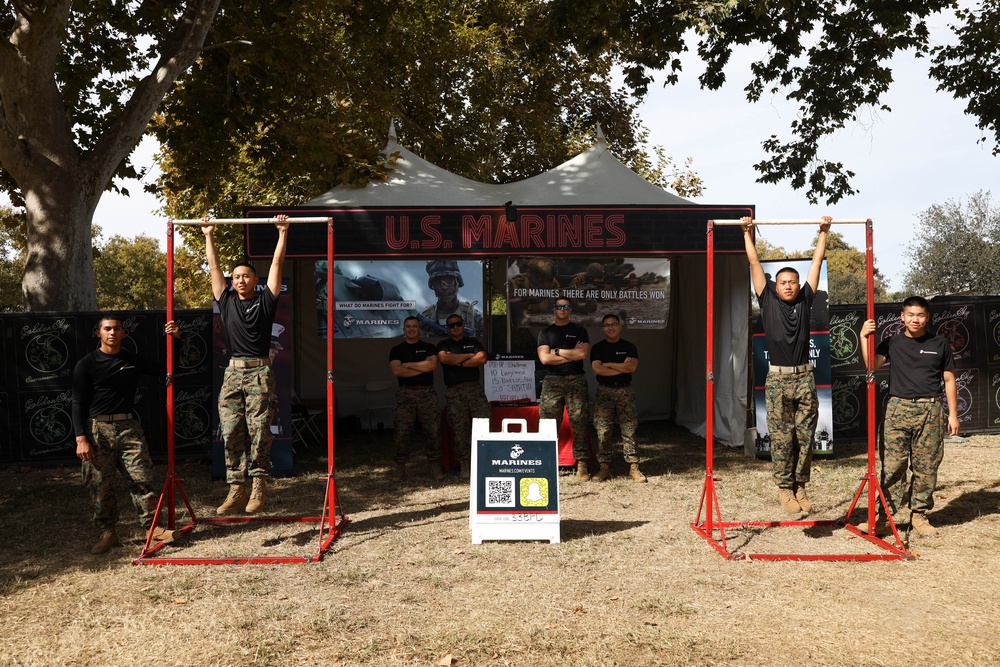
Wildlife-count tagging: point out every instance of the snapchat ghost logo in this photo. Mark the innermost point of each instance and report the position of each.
(534, 492)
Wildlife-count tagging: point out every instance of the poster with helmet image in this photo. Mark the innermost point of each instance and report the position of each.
(372, 298)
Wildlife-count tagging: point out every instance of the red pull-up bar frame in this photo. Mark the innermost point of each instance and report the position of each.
(709, 505)
(331, 521)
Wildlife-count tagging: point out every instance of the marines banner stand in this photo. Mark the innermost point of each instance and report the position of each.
(514, 482)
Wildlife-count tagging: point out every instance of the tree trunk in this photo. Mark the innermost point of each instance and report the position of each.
(62, 182)
(59, 272)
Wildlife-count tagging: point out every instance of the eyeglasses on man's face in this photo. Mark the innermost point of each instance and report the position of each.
(611, 325)
(563, 306)
(455, 325)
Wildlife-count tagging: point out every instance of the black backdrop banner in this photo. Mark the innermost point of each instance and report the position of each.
(452, 231)
(972, 327)
(40, 352)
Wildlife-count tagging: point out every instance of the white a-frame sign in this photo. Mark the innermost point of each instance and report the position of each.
(514, 492)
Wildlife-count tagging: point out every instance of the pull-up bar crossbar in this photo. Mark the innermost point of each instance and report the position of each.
(848, 221)
(244, 221)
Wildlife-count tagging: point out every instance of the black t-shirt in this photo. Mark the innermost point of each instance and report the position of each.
(458, 374)
(918, 364)
(564, 337)
(409, 352)
(105, 384)
(248, 322)
(614, 353)
(786, 325)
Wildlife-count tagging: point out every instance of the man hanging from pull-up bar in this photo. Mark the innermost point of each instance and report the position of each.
(247, 400)
(790, 388)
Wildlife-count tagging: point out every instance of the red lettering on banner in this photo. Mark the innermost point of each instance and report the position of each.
(592, 231)
(570, 232)
(531, 230)
(550, 231)
(397, 239)
(613, 225)
(428, 225)
(476, 229)
(506, 234)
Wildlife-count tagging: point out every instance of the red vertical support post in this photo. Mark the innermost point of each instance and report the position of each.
(870, 315)
(710, 499)
(171, 513)
(330, 399)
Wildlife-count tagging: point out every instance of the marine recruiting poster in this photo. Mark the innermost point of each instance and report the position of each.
(637, 290)
(373, 298)
(819, 357)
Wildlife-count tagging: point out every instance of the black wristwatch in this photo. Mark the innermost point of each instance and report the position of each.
(556, 352)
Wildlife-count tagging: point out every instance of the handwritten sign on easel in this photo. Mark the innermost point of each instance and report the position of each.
(509, 380)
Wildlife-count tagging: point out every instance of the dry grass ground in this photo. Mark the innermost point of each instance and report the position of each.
(630, 583)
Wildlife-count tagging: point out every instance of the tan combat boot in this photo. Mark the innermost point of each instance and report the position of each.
(604, 474)
(164, 535)
(437, 472)
(235, 501)
(398, 472)
(635, 473)
(581, 471)
(258, 494)
(109, 538)
(464, 469)
(803, 499)
(882, 528)
(788, 501)
(919, 523)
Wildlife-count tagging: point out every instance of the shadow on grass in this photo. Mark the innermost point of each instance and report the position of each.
(967, 508)
(576, 529)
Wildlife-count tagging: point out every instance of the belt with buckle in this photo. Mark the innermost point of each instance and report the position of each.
(249, 362)
(786, 370)
(117, 417)
(613, 386)
(933, 399)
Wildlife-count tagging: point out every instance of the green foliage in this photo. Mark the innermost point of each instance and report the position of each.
(963, 68)
(130, 274)
(956, 249)
(12, 245)
(301, 96)
(830, 58)
(845, 265)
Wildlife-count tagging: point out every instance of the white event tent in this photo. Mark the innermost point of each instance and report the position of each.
(670, 382)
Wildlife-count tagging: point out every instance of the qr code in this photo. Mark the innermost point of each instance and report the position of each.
(499, 491)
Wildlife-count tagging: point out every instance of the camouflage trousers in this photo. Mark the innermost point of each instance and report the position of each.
(465, 402)
(247, 406)
(119, 446)
(571, 392)
(912, 436)
(792, 413)
(417, 404)
(615, 405)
